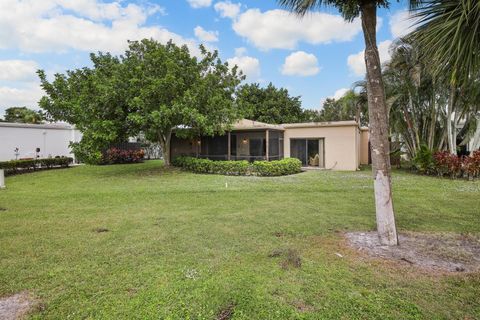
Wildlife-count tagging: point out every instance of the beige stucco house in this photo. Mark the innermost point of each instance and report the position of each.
(338, 145)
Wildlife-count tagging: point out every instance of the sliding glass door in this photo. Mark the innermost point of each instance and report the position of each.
(309, 151)
(298, 149)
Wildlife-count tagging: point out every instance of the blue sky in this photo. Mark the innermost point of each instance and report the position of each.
(316, 57)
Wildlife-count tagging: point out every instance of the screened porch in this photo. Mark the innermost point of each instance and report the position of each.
(250, 145)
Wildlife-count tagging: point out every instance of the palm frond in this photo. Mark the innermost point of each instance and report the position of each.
(449, 34)
(301, 7)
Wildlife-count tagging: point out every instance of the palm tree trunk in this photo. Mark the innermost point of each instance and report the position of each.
(377, 110)
(476, 136)
(433, 121)
(450, 130)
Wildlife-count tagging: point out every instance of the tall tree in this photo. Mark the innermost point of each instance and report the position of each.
(449, 35)
(153, 89)
(352, 106)
(23, 115)
(174, 89)
(377, 108)
(96, 100)
(269, 104)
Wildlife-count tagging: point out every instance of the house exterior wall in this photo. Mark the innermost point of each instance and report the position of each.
(341, 144)
(364, 139)
(53, 140)
(345, 145)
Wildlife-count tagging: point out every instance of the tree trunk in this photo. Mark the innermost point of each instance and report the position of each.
(433, 122)
(414, 126)
(380, 146)
(164, 142)
(450, 131)
(476, 136)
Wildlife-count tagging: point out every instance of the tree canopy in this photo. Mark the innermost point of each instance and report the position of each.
(153, 88)
(270, 104)
(23, 115)
(351, 106)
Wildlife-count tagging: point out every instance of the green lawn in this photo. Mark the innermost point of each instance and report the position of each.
(186, 246)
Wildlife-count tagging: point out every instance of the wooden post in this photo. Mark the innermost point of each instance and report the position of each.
(229, 145)
(267, 137)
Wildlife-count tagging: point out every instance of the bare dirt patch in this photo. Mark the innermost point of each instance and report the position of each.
(226, 312)
(16, 306)
(100, 230)
(441, 252)
(292, 259)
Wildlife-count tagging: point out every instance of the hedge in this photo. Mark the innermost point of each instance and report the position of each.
(239, 168)
(277, 167)
(16, 166)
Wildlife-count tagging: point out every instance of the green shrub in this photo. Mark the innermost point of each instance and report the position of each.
(16, 166)
(277, 167)
(424, 161)
(239, 168)
(87, 152)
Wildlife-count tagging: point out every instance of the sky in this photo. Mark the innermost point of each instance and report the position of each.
(316, 57)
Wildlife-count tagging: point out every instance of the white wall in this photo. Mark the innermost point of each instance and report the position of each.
(52, 139)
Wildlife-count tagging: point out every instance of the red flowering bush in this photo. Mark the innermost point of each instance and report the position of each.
(471, 165)
(115, 155)
(455, 166)
(441, 162)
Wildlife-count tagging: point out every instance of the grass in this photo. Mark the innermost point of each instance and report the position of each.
(143, 242)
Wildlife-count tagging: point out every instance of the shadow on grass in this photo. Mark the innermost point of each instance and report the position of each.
(145, 169)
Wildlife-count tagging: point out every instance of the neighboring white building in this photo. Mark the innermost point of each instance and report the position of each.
(52, 139)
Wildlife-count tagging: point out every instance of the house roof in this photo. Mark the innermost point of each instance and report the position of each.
(245, 124)
(321, 124)
(54, 125)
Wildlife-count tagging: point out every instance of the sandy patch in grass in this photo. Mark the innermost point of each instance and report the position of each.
(441, 252)
(16, 306)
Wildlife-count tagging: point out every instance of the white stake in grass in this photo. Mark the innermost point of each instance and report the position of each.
(2, 179)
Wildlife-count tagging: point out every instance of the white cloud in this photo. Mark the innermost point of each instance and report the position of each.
(27, 95)
(283, 30)
(17, 70)
(86, 25)
(401, 24)
(356, 62)
(227, 9)
(199, 3)
(204, 35)
(339, 93)
(94, 10)
(240, 51)
(300, 63)
(250, 66)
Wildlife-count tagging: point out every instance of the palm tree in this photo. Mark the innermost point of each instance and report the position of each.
(449, 35)
(377, 108)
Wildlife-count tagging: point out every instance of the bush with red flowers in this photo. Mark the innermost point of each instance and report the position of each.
(471, 165)
(116, 155)
(447, 164)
